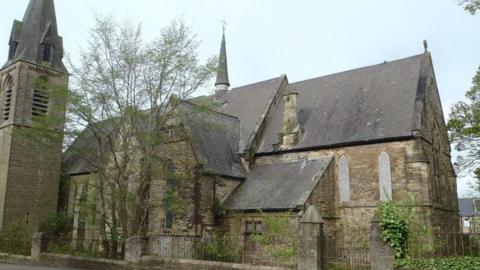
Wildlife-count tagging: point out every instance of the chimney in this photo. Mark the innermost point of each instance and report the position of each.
(291, 127)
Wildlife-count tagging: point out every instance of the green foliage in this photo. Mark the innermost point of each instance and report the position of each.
(58, 226)
(394, 228)
(457, 263)
(58, 230)
(464, 127)
(218, 210)
(15, 239)
(471, 6)
(277, 238)
(223, 249)
(418, 232)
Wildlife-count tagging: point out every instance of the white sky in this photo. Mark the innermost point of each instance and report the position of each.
(300, 38)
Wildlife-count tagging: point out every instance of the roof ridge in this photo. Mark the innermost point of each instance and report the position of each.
(206, 108)
(325, 157)
(359, 68)
(250, 84)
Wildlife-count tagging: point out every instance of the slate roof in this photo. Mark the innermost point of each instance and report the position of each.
(467, 207)
(214, 137)
(278, 186)
(39, 26)
(249, 104)
(89, 148)
(361, 105)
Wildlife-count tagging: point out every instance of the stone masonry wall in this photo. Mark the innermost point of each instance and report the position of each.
(411, 178)
(30, 169)
(150, 263)
(179, 150)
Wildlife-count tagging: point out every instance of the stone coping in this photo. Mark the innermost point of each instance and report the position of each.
(61, 260)
(234, 266)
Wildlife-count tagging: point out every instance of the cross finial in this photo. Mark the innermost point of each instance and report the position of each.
(224, 24)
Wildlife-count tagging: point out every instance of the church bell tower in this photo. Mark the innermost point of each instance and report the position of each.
(33, 90)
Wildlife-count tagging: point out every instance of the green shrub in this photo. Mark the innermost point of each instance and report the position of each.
(58, 226)
(457, 263)
(58, 230)
(394, 229)
(222, 249)
(15, 239)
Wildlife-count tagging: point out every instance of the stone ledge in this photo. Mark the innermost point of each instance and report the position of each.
(158, 262)
(146, 262)
(15, 259)
(60, 260)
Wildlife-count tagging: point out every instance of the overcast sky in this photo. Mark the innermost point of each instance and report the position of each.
(300, 38)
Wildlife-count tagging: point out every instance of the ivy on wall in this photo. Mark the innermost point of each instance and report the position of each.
(394, 228)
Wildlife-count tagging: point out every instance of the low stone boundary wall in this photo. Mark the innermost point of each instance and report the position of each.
(57, 260)
(154, 263)
(146, 263)
(14, 259)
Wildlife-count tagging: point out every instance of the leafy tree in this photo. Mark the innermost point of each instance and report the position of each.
(125, 93)
(471, 6)
(464, 127)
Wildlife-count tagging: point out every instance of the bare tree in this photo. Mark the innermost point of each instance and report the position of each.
(125, 91)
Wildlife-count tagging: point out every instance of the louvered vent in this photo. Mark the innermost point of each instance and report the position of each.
(40, 102)
(7, 100)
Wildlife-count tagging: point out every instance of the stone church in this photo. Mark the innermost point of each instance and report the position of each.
(343, 142)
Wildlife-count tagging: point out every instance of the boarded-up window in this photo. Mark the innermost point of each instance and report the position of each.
(385, 177)
(169, 195)
(253, 227)
(344, 179)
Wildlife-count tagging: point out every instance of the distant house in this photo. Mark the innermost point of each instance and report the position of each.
(470, 214)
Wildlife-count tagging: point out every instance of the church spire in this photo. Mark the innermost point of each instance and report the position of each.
(222, 82)
(36, 39)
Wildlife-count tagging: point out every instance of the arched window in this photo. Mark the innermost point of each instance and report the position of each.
(344, 179)
(40, 98)
(169, 193)
(7, 98)
(385, 177)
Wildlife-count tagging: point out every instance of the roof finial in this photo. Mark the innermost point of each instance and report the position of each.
(425, 45)
(224, 25)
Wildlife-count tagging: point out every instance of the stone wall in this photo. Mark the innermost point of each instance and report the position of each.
(170, 264)
(150, 263)
(189, 187)
(30, 165)
(411, 176)
(262, 245)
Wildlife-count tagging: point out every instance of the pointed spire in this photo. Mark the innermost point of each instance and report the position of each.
(222, 72)
(39, 41)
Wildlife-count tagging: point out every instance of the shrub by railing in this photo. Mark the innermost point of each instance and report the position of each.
(15, 239)
(252, 249)
(449, 243)
(87, 247)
